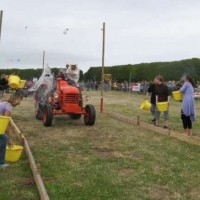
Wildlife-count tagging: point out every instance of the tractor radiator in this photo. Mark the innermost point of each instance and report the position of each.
(71, 98)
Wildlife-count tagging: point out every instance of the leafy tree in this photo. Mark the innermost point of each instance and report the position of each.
(147, 71)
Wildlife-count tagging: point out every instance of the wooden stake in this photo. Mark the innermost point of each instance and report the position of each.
(36, 174)
(36, 169)
(138, 120)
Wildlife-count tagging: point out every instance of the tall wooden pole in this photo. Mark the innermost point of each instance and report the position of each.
(43, 59)
(1, 19)
(102, 72)
(129, 82)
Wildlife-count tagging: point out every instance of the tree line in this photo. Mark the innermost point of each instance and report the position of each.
(147, 71)
(28, 74)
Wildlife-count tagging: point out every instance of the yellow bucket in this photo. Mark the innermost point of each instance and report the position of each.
(21, 84)
(146, 105)
(162, 106)
(4, 121)
(13, 153)
(14, 81)
(178, 96)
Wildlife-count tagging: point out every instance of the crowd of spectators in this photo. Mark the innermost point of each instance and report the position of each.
(90, 85)
(125, 86)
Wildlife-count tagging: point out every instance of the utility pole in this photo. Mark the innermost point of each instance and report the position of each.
(102, 71)
(129, 82)
(43, 59)
(1, 19)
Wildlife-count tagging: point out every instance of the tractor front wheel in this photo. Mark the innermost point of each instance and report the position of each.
(47, 115)
(90, 115)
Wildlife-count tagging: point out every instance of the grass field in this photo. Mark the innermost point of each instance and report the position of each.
(129, 105)
(110, 160)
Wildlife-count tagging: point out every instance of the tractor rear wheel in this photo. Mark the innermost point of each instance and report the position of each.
(90, 115)
(75, 116)
(38, 113)
(47, 115)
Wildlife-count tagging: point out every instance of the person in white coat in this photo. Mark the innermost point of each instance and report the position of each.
(73, 72)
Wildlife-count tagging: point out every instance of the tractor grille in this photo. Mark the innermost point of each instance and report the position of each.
(72, 98)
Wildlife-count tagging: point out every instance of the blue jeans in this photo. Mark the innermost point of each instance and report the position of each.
(166, 114)
(3, 142)
(153, 110)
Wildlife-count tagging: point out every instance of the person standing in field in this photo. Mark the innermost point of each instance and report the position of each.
(188, 108)
(6, 108)
(162, 95)
(152, 91)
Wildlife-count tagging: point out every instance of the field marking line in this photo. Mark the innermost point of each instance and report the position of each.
(17, 131)
(36, 173)
(166, 132)
(35, 170)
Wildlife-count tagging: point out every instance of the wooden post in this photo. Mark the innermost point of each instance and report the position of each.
(102, 71)
(1, 19)
(129, 81)
(138, 120)
(36, 174)
(43, 59)
(17, 131)
(36, 169)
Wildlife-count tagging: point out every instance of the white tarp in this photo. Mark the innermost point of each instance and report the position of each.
(45, 79)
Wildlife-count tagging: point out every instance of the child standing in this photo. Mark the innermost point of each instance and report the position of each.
(6, 110)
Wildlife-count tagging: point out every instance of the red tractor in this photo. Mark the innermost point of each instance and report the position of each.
(66, 99)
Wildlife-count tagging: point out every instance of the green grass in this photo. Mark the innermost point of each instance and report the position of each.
(111, 160)
(129, 105)
(17, 182)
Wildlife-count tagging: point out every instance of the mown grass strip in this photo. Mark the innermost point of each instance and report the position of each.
(179, 136)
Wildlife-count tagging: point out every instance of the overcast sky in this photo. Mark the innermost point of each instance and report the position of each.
(136, 31)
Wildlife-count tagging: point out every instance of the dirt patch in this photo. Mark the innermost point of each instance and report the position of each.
(107, 153)
(30, 182)
(108, 150)
(117, 154)
(126, 172)
(27, 182)
(195, 194)
(91, 134)
(160, 192)
(77, 184)
(104, 153)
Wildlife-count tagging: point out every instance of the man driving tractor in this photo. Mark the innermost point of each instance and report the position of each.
(73, 72)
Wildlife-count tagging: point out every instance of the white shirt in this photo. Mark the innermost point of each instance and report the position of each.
(73, 74)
